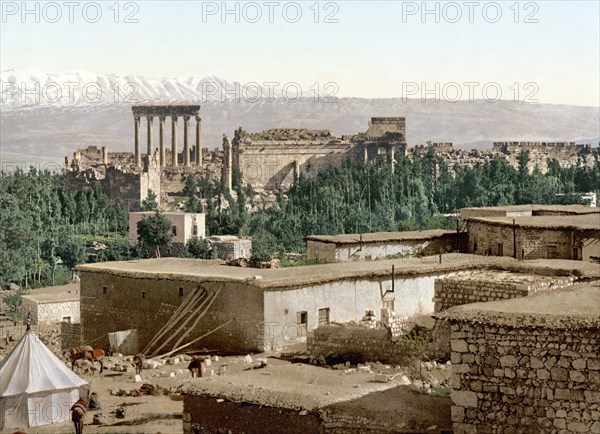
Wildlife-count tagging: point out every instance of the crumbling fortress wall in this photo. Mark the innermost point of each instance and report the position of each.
(276, 157)
(540, 153)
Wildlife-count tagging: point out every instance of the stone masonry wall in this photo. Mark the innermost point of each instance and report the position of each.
(372, 344)
(530, 380)
(452, 291)
(71, 335)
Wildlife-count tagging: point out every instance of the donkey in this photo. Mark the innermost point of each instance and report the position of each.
(87, 353)
(78, 414)
(197, 367)
(138, 361)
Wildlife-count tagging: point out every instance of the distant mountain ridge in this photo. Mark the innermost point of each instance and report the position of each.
(53, 126)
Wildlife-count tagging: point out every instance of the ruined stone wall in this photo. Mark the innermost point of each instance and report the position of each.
(228, 250)
(372, 344)
(540, 153)
(111, 303)
(380, 126)
(511, 379)
(452, 291)
(271, 164)
(532, 243)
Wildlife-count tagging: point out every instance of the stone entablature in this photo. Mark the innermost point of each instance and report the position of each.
(174, 111)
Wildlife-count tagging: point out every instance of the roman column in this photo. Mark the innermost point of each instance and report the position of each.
(174, 140)
(226, 177)
(137, 150)
(198, 141)
(161, 141)
(186, 141)
(150, 121)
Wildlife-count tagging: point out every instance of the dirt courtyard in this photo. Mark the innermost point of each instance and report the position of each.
(355, 390)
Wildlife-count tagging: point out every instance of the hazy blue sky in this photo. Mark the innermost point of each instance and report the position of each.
(371, 51)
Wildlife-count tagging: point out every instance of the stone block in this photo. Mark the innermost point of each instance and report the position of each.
(593, 364)
(559, 374)
(382, 378)
(578, 426)
(137, 378)
(579, 364)
(508, 361)
(543, 374)
(459, 345)
(462, 368)
(577, 376)
(466, 399)
(458, 413)
(559, 423)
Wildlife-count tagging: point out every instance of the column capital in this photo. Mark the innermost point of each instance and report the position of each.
(186, 118)
(198, 118)
(136, 118)
(161, 118)
(150, 117)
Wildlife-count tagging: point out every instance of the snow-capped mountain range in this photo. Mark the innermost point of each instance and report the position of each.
(45, 116)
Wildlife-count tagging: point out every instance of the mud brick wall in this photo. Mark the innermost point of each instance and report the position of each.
(372, 344)
(112, 302)
(532, 243)
(536, 379)
(71, 335)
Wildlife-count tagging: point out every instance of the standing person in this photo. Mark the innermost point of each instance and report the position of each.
(28, 321)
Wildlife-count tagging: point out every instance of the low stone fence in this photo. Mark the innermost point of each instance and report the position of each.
(372, 344)
(491, 286)
(525, 379)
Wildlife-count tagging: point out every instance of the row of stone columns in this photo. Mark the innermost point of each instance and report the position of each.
(187, 158)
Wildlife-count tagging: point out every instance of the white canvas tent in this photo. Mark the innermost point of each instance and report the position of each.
(36, 387)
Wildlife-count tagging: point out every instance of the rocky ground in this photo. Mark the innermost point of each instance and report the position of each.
(153, 403)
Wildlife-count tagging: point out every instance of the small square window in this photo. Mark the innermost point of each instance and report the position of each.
(181, 292)
(195, 229)
(174, 229)
(388, 303)
(324, 316)
(104, 290)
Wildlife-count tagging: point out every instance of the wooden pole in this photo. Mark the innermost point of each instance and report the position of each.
(184, 308)
(199, 316)
(195, 340)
